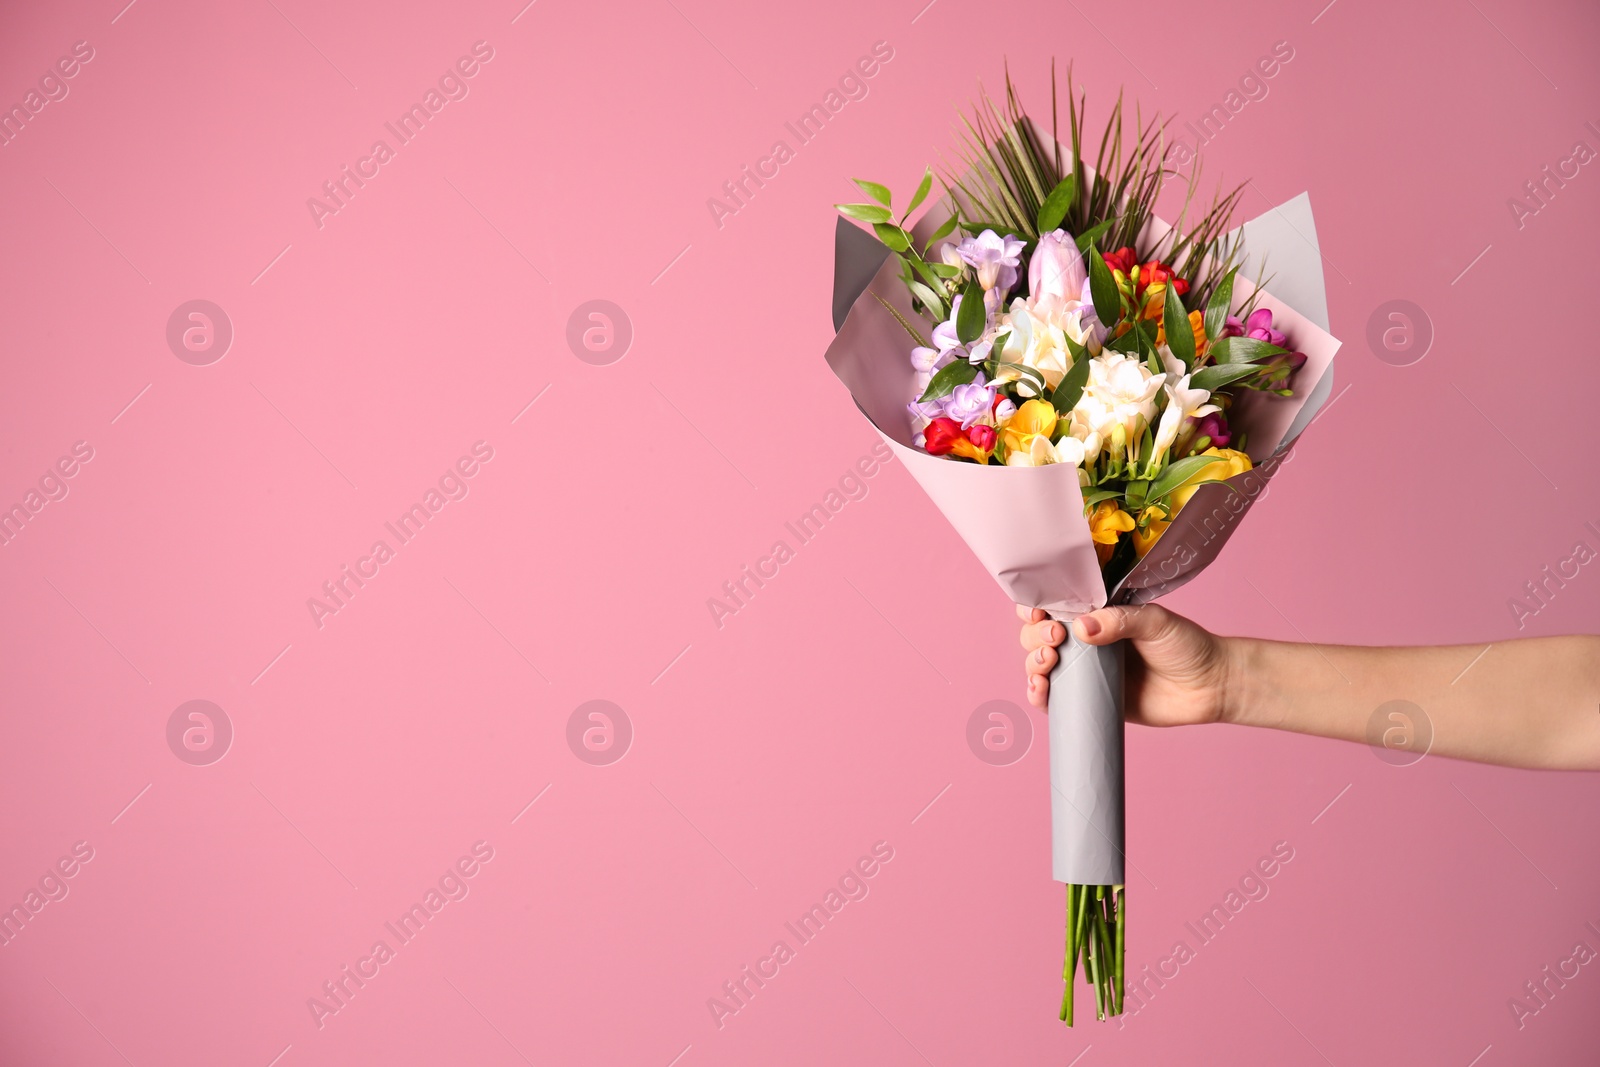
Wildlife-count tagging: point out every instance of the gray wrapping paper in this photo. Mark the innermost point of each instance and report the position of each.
(1086, 797)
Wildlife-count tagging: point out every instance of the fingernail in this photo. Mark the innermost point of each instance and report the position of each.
(1038, 655)
(1089, 625)
(1053, 634)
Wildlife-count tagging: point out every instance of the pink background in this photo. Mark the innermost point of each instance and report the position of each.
(768, 754)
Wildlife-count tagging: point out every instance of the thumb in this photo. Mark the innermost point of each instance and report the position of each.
(1145, 622)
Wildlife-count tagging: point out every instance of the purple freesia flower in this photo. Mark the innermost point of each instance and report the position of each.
(968, 403)
(995, 258)
(1259, 326)
(1214, 426)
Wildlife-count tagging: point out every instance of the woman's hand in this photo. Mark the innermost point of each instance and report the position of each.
(1177, 671)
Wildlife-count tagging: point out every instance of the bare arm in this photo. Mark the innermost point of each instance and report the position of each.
(1533, 702)
(1527, 703)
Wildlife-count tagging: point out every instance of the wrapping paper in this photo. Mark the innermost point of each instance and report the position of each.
(1026, 524)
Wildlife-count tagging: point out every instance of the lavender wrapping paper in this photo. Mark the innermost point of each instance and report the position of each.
(1026, 525)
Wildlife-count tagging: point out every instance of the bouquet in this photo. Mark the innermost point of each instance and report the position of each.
(1092, 397)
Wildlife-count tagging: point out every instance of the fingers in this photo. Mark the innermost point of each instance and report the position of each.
(1042, 632)
(1030, 614)
(1038, 665)
(1144, 623)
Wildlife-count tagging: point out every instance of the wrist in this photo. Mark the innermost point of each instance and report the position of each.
(1241, 674)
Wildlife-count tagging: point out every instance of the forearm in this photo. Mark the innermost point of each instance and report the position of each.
(1526, 703)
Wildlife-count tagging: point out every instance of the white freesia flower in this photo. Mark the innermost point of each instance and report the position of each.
(1039, 331)
(1120, 392)
(1182, 403)
(1040, 452)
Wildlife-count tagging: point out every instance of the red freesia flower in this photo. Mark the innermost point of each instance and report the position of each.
(1122, 259)
(982, 436)
(942, 435)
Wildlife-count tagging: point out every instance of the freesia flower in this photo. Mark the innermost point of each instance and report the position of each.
(1033, 418)
(1120, 392)
(941, 435)
(982, 436)
(1106, 523)
(1039, 331)
(995, 258)
(1040, 451)
(1214, 428)
(945, 437)
(1153, 523)
(1259, 326)
(1182, 403)
(967, 403)
(1056, 269)
(1232, 463)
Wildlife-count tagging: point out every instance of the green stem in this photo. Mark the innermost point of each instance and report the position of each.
(1122, 928)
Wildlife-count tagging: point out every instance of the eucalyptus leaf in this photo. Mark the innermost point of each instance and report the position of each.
(878, 192)
(1217, 309)
(1180, 336)
(1103, 289)
(865, 212)
(944, 383)
(1057, 204)
(1244, 350)
(1213, 378)
(1177, 473)
(972, 317)
(922, 191)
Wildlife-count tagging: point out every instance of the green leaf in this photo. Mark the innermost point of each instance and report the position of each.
(1057, 204)
(892, 235)
(1070, 389)
(972, 317)
(1092, 234)
(1213, 378)
(1219, 305)
(1137, 493)
(1000, 342)
(945, 270)
(1091, 499)
(944, 383)
(929, 298)
(922, 191)
(873, 189)
(865, 212)
(945, 229)
(925, 269)
(1177, 473)
(1244, 350)
(1180, 337)
(1103, 288)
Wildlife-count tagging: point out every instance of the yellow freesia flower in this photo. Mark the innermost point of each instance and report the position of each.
(1033, 418)
(1156, 522)
(1106, 523)
(1233, 462)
